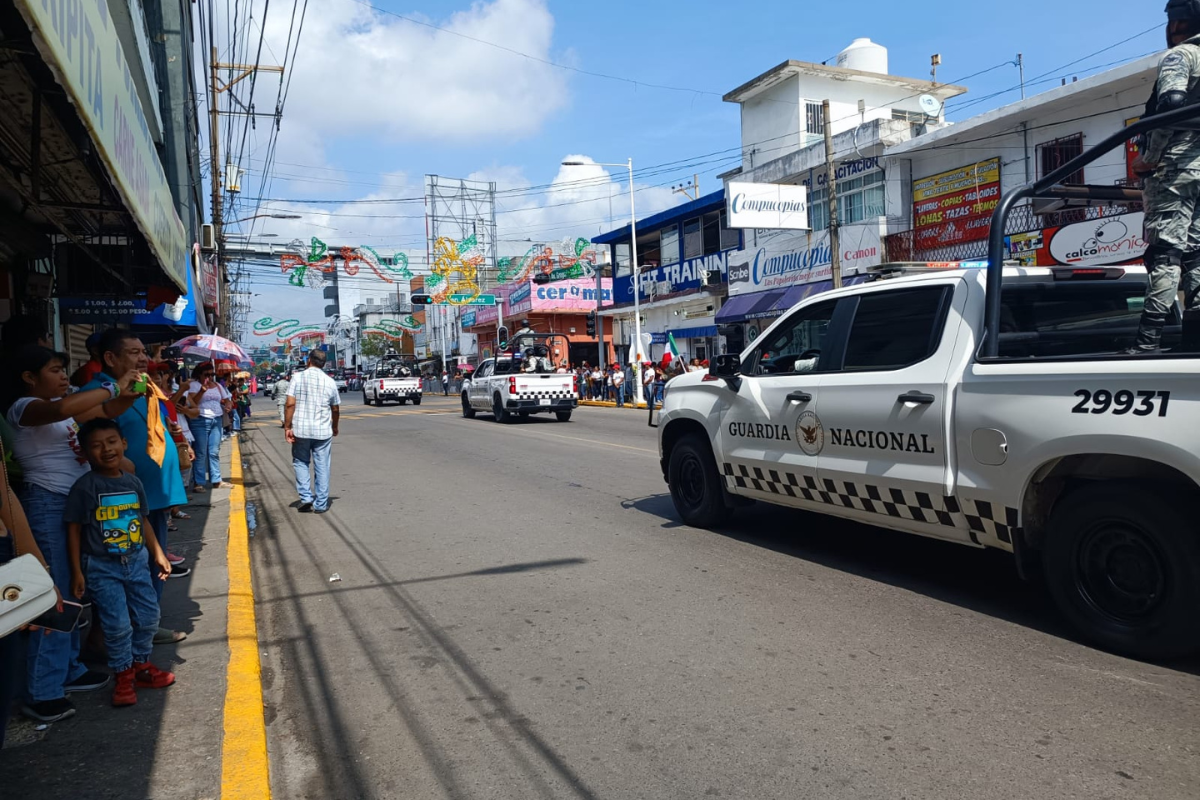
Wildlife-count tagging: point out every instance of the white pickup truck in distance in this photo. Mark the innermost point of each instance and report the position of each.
(876, 403)
(389, 382)
(504, 388)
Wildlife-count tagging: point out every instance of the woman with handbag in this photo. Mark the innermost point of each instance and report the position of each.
(15, 539)
(45, 421)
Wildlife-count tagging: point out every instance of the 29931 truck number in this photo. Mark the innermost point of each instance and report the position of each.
(1123, 401)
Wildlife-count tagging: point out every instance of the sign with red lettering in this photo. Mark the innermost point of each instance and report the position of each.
(955, 206)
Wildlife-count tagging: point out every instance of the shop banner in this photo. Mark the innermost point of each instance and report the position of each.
(1092, 243)
(767, 205)
(955, 206)
(672, 278)
(78, 41)
(127, 311)
(783, 260)
(468, 319)
(561, 296)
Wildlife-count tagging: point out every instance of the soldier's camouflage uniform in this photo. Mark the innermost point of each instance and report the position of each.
(1171, 196)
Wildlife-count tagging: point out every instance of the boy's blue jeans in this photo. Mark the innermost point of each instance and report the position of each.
(126, 604)
(53, 658)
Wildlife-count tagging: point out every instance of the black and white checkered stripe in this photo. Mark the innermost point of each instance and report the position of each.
(892, 502)
(1000, 522)
(556, 394)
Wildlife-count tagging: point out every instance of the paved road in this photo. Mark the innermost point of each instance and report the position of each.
(520, 615)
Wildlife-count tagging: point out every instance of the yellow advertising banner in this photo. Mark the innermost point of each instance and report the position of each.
(956, 180)
(78, 41)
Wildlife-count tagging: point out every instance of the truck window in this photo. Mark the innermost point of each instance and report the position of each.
(795, 346)
(1074, 318)
(896, 329)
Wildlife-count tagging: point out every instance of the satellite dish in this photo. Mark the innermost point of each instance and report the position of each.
(930, 105)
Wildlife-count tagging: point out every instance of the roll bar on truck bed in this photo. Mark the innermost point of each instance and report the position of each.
(1050, 188)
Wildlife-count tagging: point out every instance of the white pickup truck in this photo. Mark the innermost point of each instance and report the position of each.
(391, 382)
(506, 389)
(876, 403)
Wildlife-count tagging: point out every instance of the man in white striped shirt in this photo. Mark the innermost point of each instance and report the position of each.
(310, 421)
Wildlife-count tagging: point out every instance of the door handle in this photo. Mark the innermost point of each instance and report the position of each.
(799, 397)
(916, 397)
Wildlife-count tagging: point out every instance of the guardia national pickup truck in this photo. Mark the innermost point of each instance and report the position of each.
(871, 403)
(996, 406)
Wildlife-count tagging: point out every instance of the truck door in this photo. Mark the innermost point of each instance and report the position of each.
(884, 410)
(767, 441)
(477, 393)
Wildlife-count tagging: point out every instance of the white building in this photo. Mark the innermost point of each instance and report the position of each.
(958, 173)
(783, 141)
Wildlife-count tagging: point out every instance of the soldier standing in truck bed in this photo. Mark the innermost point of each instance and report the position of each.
(1171, 165)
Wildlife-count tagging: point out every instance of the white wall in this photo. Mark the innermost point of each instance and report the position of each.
(1062, 120)
(771, 123)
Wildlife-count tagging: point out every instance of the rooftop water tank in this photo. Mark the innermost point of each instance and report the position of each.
(865, 56)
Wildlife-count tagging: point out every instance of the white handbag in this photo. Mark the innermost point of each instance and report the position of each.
(26, 592)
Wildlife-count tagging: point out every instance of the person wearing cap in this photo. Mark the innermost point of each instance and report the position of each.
(94, 366)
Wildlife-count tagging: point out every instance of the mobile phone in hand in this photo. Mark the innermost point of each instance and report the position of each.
(64, 621)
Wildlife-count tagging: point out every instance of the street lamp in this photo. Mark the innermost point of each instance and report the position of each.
(258, 216)
(637, 276)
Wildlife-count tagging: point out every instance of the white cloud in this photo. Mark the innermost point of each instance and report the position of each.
(364, 72)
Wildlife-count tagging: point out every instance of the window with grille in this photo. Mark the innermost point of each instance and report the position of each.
(859, 198)
(814, 118)
(1055, 153)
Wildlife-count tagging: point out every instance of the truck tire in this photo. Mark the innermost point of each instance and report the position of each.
(468, 412)
(416, 401)
(366, 402)
(563, 416)
(1122, 563)
(696, 486)
(499, 412)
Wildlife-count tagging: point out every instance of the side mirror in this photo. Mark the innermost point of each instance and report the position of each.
(727, 367)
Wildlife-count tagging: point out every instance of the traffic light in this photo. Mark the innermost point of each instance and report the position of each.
(422, 300)
(502, 338)
(591, 323)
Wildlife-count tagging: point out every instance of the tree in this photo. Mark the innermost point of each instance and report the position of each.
(373, 345)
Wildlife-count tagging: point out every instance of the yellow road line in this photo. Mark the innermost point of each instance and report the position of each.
(244, 765)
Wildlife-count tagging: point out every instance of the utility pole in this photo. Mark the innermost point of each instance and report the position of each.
(217, 176)
(685, 189)
(835, 253)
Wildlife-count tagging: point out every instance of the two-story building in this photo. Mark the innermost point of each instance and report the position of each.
(683, 253)
(783, 141)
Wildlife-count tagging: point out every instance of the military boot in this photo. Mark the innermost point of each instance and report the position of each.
(1149, 336)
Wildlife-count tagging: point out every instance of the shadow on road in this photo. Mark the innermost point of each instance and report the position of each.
(984, 581)
(314, 670)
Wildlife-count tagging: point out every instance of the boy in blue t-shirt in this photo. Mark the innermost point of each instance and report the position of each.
(109, 542)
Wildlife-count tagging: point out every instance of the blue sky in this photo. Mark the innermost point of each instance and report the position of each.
(377, 102)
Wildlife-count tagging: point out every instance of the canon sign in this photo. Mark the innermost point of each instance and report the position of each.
(767, 206)
(1097, 242)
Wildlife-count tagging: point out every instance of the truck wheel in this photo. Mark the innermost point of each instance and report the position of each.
(563, 416)
(1123, 566)
(499, 412)
(366, 402)
(468, 412)
(696, 487)
(416, 401)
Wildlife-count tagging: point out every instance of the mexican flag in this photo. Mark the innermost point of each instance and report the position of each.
(674, 348)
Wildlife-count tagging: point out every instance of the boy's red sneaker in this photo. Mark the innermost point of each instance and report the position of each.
(149, 676)
(123, 692)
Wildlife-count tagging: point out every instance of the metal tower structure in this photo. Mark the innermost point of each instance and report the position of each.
(463, 211)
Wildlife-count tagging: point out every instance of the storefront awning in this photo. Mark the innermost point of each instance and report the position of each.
(742, 307)
(697, 332)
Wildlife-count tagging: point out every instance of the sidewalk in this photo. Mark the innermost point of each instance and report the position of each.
(169, 745)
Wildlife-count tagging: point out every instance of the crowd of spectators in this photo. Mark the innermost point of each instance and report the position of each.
(98, 466)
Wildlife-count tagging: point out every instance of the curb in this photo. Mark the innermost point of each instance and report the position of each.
(244, 765)
(610, 404)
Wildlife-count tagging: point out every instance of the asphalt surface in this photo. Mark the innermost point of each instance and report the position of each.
(520, 615)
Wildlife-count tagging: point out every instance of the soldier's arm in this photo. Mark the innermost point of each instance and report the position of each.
(1174, 77)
